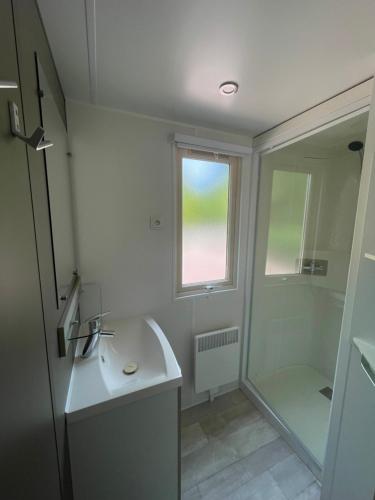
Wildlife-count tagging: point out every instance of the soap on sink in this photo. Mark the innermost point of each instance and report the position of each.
(130, 368)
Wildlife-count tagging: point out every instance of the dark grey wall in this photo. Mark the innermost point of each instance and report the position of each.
(31, 37)
(28, 465)
(31, 40)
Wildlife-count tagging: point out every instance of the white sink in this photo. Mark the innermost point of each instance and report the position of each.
(99, 383)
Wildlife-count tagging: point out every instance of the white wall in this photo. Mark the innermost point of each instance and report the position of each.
(123, 167)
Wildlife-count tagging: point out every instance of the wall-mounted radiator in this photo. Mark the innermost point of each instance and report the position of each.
(217, 358)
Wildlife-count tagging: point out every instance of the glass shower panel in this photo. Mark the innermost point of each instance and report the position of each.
(307, 201)
(289, 202)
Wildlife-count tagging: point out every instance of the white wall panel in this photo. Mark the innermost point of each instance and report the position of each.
(123, 174)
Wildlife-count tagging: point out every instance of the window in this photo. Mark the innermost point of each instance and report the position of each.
(207, 187)
(286, 233)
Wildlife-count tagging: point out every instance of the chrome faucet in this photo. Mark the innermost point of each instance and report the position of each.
(95, 332)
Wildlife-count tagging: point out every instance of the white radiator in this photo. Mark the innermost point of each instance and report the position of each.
(217, 358)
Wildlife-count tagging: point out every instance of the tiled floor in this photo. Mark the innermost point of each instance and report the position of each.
(229, 451)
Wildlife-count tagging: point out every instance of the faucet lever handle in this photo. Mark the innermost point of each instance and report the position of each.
(97, 316)
(107, 333)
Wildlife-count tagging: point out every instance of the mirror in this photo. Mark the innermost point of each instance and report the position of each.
(58, 178)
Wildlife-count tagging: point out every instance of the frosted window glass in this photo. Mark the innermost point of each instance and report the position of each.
(205, 193)
(287, 218)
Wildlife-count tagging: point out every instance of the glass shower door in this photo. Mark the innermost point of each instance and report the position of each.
(305, 222)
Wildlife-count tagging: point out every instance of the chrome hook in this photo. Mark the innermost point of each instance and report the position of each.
(36, 139)
(8, 84)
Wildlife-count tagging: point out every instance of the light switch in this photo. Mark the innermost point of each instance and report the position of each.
(155, 222)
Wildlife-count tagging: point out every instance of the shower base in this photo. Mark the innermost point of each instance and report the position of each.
(294, 394)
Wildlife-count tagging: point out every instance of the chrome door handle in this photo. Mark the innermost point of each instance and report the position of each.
(368, 369)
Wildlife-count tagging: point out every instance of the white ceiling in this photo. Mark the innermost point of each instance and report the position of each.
(340, 135)
(331, 142)
(166, 58)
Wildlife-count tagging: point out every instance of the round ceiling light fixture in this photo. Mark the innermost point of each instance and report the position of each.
(228, 88)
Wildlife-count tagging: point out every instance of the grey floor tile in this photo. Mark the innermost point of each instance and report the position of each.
(195, 413)
(249, 436)
(205, 462)
(292, 476)
(192, 438)
(220, 404)
(262, 487)
(192, 494)
(239, 410)
(235, 475)
(231, 452)
(267, 456)
(213, 424)
(230, 419)
(223, 483)
(228, 400)
(241, 421)
(312, 492)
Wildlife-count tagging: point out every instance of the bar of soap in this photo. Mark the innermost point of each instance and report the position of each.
(130, 368)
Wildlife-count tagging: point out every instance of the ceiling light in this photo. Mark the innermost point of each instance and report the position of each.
(228, 88)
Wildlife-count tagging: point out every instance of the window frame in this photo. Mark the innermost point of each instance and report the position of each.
(230, 281)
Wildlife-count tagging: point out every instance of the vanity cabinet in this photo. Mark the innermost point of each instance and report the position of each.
(130, 452)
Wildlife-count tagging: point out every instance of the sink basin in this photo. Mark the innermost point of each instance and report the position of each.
(99, 383)
(140, 341)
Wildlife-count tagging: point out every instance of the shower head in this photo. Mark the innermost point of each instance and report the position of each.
(355, 145)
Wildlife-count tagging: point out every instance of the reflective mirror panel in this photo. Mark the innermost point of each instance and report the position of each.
(59, 189)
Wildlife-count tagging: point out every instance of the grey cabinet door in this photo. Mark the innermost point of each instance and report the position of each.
(28, 455)
(355, 465)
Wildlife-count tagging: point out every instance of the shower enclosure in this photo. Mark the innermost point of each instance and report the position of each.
(307, 200)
